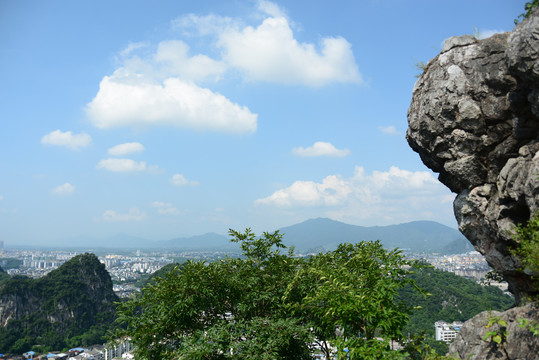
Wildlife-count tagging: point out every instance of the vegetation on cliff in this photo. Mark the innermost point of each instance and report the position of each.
(71, 306)
(527, 249)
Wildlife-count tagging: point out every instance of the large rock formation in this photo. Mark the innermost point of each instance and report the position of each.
(516, 339)
(67, 302)
(474, 119)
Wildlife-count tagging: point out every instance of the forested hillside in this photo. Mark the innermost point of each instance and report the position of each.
(71, 306)
(453, 298)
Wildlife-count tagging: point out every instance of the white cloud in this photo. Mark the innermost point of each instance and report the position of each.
(124, 165)
(67, 139)
(331, 191)
(1, 198)
(134, 214)
(390, 130)
(180, 180)
(160, 85)
(271, 53)
(126, 148)
(390, 196)
(65, 189)
(172, 102)
(165, 208)
(132, 47)
(212, 24)
(320, 148)
(272, 9)
(486, 33)
(173, 59)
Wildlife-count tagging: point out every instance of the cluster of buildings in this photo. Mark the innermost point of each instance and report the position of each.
(121, 350)
(471, 265)
(121, 268)
(37, 263)
(131, 268)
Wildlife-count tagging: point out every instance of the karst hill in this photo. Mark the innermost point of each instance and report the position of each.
(74, 303)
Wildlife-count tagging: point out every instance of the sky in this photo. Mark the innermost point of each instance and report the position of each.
(164, 119)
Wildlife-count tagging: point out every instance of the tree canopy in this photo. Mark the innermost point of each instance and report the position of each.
(270, 304)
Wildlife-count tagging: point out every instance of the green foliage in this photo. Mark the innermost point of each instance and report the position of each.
(9, 263)
(224, 309)
(148, 279)
(452, 298)
(532, 325)
(61, 309)
(353, 288)
(271, 305)
(528, 8)
(492, 276)
(420, 347)
(527, 237)
(498, 334)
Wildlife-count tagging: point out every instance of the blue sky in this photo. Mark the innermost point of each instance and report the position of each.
(172, 118)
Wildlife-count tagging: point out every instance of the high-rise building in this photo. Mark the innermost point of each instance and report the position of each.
(447, 332)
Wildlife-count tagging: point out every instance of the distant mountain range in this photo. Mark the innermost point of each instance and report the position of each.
(315, 235)
(326, 234)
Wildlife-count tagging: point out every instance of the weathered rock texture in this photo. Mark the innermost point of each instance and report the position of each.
(474, 119)
(519, 342)
(66, 302)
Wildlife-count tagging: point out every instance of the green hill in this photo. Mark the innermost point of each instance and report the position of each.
(453, 298)
(71, 306)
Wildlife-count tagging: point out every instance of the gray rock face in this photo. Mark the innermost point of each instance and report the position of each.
(474, 119)
(519, 341)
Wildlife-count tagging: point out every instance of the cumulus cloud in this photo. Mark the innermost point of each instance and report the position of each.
(164, 84)
(126, 148)
(65, 189)
(123, 165)
(486, 33)
(165, 208)
(134, 214)
(382, 196)
(172, 102)
(320, 148)
(67, 139)
(180, 180)
(173, 59)
(270, 53)
(390, 130)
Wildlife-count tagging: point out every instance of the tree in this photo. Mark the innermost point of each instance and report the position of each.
(349, 295)
(231, 308)
(270, 304)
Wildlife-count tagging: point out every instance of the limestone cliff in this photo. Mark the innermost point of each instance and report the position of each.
(65, 303)
(474, 119)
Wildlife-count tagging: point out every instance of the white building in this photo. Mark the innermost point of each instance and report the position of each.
(117, 350)
(447, 332)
